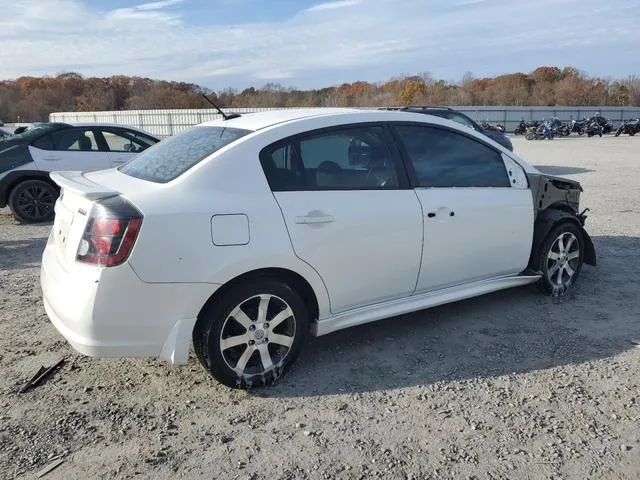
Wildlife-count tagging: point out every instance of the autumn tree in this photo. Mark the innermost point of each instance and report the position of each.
(32, 98)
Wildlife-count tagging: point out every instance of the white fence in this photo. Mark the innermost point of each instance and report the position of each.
(165, 123)
(162, 123)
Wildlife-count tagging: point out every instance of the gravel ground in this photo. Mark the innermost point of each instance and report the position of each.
(509, 385)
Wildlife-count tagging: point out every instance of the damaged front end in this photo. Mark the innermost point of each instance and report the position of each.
(557, 200)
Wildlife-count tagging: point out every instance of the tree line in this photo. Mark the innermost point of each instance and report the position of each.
(28, 99)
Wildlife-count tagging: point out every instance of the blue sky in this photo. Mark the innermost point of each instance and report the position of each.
(307, 44)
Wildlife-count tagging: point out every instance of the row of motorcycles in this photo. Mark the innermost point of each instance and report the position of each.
(596, 125)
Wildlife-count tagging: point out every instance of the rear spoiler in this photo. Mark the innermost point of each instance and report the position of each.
(77, 183)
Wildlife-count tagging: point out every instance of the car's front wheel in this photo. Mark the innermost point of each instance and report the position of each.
(250, 335)
(560, 258)
(32, 201)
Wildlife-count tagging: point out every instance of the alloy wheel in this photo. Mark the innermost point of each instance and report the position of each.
(35, 202)
(563, 260)
(257, 335)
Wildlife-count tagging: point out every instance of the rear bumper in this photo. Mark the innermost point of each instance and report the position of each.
(110, 312)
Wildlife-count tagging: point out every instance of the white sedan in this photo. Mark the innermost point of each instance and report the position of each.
(244, 235)
(27, 158)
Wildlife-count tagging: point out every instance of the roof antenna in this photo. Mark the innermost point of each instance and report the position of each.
(224, 115)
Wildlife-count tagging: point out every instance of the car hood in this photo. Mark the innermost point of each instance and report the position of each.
(500, 138)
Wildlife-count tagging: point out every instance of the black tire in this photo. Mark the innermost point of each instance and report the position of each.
(216, 318)
(32, 201)
(632, 133)
(617, 134)
(543, 263)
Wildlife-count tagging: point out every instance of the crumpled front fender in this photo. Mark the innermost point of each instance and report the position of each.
(548, 219)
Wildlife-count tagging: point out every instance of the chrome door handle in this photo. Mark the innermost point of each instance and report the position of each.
(312, 219)
(51, 159)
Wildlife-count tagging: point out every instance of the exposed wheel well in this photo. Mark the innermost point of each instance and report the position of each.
(548, 219)
(562, 207)
(293, 279)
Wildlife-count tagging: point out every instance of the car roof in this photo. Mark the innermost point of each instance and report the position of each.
(110, 125)
(260, 120)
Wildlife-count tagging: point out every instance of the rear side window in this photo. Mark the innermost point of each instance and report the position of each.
(75, 139)
(347, 158)
(170, 158)
(443, 158)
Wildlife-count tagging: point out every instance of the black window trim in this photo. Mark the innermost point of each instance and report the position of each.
(387, 137)
(408, 165)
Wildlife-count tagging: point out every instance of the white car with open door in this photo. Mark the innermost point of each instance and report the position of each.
(26, 159)
(243, 235)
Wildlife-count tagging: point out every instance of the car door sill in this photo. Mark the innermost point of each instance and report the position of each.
(392, 308)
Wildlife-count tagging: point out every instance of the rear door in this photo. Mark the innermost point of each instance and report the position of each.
(124, 144)
(72, 149)
(350, 214)
(477, 209)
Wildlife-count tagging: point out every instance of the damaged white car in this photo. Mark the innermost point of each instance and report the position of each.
(241, 236)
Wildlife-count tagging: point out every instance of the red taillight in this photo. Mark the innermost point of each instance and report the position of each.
(107, 226)
(110, 233)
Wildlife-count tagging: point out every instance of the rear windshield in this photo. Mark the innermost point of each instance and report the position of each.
(170, 158)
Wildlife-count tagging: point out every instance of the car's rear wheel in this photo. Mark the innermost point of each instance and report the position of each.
(252, 333)
(32, 201)
(560, 259)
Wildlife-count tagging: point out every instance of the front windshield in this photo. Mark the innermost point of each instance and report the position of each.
(170, 158)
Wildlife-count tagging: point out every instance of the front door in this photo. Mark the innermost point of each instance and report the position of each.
(69, 149)
(349, 213)
(478, 215)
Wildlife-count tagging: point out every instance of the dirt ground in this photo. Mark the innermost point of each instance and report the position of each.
(509, 385)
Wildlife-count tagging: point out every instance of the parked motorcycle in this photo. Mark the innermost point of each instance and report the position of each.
(522, 127)
(559, 128)
(493, 127)
(606, 124)
(630, 127)
(594, 128)
(578, 126)
(543, 130)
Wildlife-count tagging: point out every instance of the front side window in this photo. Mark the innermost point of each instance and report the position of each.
(349, 158)
(170, 158)
(444, 158)
(126, 141)
(70, 140)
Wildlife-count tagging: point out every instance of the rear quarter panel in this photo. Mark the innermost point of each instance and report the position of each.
(175, 241)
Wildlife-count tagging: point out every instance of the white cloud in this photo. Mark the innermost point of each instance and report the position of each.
(157, 5)
(333, 5)
(274, 75)
(146, 11)
(321, 46)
